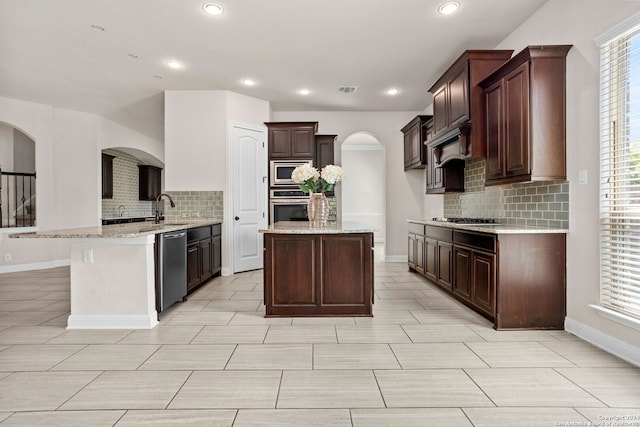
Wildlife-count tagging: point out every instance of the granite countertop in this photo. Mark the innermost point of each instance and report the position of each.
(492, 228)
(134, 229)
(305, 227)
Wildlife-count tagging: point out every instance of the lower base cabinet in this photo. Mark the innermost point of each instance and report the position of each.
(516, 280)
(203, 254)
(318, 274)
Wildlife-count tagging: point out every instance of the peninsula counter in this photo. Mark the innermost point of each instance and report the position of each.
(318, 271)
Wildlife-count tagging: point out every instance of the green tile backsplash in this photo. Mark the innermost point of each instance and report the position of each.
(194, 204)
(540, 203)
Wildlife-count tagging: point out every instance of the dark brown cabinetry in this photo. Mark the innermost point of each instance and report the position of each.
(107, 176)
(458, 105)
(292, 140)
(150, 182)
(525, 117)
(438, 179)
(516, 280)
(430, 253)
(415, 135)
(474, 260)
(203, 254)
(324, 150)
(318, 274)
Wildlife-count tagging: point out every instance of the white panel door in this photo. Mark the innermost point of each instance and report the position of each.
(249, 198)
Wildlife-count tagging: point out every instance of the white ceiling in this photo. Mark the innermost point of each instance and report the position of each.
(50, 54)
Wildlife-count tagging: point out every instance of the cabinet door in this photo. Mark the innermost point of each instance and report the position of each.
(303, 143)
(193, 266)
(420, 254)
(107, 176)
(440, 110)
(216, 254)
(411, 250)
(324, 150)
(516, 121)
(462, 267)
(279, 143)
(483, 293)
(407, 151)
(430, 259)
(459, 97)
(206, 259)
(149, 182)
(445, 265)
(494, 132)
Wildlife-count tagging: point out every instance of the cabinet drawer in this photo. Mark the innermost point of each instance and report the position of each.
(194, 234)
(442, 234)
(416, 228)
(486, 242)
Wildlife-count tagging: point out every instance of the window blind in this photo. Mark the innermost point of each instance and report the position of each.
(620, 174)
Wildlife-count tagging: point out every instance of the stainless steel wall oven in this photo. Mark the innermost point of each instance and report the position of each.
(288, 205)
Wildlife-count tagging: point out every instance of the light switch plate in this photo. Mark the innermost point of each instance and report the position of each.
(87, 255)
(582, 177)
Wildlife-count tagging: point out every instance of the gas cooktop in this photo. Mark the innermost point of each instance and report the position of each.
(458, 220)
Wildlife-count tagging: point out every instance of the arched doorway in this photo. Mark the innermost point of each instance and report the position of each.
(17, 178)
(363, 190)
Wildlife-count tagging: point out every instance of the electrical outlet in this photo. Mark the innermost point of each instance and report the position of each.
(8, 256)
(87, 255)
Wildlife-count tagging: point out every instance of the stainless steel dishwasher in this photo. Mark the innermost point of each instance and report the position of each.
(172, 269)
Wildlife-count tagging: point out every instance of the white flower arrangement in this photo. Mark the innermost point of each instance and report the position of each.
(311, 180)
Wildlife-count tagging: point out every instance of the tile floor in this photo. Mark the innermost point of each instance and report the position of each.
(423, 360)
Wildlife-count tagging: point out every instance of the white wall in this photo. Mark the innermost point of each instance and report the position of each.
(195, 140)
(6, 148)
(196, 144)
(578, 22)
(405, 191)
(68, 147)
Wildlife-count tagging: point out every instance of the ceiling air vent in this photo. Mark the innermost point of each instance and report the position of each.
(347, 89)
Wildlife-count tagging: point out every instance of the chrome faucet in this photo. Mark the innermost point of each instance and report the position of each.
(121, 210)
(173, 205)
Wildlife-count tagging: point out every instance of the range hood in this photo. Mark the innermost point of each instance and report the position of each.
(451, 145)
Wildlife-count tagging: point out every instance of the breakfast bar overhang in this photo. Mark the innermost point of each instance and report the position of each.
(318, 271)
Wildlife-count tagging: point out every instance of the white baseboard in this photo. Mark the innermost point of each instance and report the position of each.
(133, 321)
(226, 271)
(606, 342)
(34, 266)
(396, 258)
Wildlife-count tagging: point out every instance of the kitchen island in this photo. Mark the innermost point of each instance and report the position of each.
(318, 271)
(113, 272)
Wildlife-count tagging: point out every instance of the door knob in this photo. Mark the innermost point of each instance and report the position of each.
(237, 218)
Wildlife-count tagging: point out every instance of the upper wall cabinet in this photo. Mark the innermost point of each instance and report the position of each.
(107, 176)
(458, 105)
(292, 140)
(415, 152)
(150, 182)
(525, 117)
(324, 150)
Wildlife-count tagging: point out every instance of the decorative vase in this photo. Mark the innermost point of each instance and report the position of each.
(318, 209)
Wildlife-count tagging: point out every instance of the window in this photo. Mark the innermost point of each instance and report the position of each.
(620, 174)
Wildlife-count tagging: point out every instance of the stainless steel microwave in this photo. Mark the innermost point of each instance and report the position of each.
(280, 172)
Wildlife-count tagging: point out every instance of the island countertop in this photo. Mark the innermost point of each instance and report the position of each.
(135, 229)
(305, 227)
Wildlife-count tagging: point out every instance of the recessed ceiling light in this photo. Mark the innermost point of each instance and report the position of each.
(392, 91)
(97, 28)
(304, 92)
(174, 64)
(449, 7)
(248, 82)
(213, 9)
